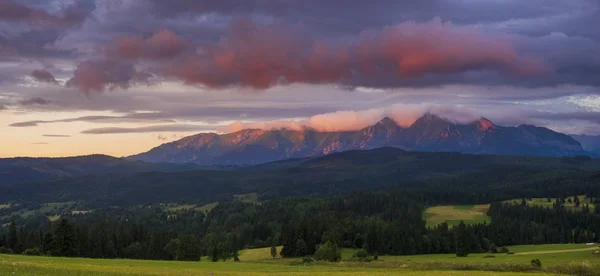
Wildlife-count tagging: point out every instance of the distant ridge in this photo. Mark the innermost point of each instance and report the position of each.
(428, 133)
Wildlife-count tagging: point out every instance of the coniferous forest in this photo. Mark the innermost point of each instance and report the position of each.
(380, 223)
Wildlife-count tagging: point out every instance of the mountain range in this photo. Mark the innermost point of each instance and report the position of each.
(430, 133)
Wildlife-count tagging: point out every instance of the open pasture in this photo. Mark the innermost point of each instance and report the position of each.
(470, 214)
(259, 262)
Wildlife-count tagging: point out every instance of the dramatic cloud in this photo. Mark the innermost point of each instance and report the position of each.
(35, 100)
(13, 11)
(43, 75)
(101, 75)
(198, 62)
(263, 55)
(164, 44)
(117, 70)
(158, 128)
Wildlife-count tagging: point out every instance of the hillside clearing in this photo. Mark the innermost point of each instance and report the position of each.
(470, 214)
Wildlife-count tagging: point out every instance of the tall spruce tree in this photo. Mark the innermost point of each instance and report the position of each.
(65, 239)
(188, 249)
(462, 240)
(273, 251)
(13, 240)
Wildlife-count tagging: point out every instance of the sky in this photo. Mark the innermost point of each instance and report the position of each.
(119, 77)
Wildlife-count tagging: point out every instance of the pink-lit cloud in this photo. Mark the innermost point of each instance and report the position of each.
(264, 55)
(101, 75)
(351, 120)
(164, 44)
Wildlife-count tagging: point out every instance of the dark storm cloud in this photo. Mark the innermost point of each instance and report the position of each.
(155, 29)
(101, 75)
(32, 27)
(43, 75)
(35, 100)
(13, 11)
(355, 15)
(323, 19)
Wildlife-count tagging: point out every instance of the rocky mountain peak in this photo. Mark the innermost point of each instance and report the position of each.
(484, 124)
(387, 122)
(430, 118)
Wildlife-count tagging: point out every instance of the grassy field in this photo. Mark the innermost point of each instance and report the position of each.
(552, 254)
(25, 265)
(259, 262)
(473, 214)
(470, 214)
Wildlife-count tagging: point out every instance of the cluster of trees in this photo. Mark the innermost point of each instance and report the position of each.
(378, 223)
(518, 224)
(111, 238)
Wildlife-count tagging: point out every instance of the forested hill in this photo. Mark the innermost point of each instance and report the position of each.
(383, 168)
(26, 169)
(372, 199)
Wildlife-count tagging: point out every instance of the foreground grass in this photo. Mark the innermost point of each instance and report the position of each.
(25, 265)
(549, 254)
(549, 247)
(259, 262)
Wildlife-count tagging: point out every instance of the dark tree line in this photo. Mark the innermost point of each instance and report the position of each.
(380, 223)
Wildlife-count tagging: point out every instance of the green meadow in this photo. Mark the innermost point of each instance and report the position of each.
(570, 259)
(473, 214)
(470, 214)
